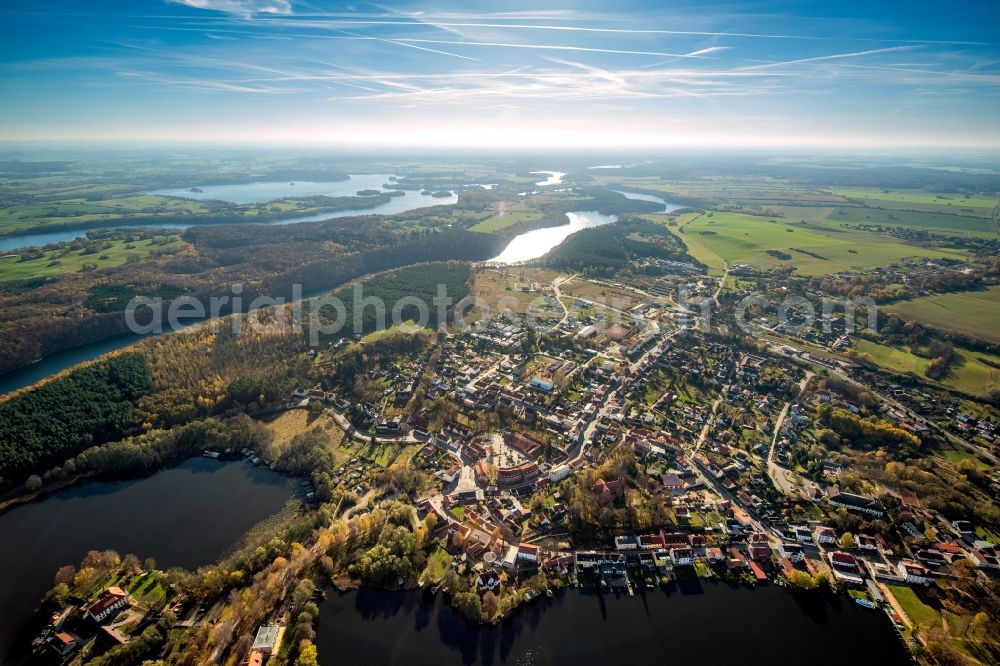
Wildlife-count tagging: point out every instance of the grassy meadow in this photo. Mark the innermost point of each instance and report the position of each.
(65, 260)
(970, 372)
(973, 312)
(813, 249)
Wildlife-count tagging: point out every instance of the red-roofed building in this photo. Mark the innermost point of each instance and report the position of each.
(914, 574)
(842, 560)
(675, 540)
(651, 542)
(108, 604)
(714, 555)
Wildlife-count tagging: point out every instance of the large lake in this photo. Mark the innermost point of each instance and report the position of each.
(668, 207)
(245, 193)
(184, 516)
(554, 177)
(534, 244)
(60, 361)
(700, 622)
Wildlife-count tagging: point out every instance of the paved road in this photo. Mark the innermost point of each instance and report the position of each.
(577, 452)
(711, 418)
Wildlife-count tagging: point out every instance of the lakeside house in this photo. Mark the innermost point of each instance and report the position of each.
(914, 574)
(62, 643)
(107, 605)
(487, 581)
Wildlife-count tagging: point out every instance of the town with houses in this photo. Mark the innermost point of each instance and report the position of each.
(623, 448)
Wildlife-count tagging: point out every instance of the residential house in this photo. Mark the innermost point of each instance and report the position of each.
(108, 604)
(858, 503)
(62, 643)
(673, 484)
(792, 551)
(527, 552)
(985, 559)
(268, 639)
(714, 555)
(825, 536)
(682, 556)
(913, 573)
(487, 581)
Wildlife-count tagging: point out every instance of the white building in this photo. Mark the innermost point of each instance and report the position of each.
(914, 574)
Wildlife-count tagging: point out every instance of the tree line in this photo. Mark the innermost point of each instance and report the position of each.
(90, 405)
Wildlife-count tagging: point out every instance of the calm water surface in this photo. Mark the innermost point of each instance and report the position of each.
(260, 193)
(699, 623)
(60, 361)
(668, 207)
(554, 177)
(534, 244)
(184, 516)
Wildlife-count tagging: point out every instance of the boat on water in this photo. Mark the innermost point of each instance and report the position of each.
(865, 602)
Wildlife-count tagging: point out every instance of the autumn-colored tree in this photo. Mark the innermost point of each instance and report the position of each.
(490, 604)
(307, 655)
(65, 574)
(131, 564)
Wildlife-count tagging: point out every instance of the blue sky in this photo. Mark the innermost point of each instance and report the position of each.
(582, 74)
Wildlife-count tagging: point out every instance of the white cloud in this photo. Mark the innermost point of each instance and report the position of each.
(241, 7)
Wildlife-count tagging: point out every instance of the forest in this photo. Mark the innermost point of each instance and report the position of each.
(66, 311)
(605, 250)
(420, 282)
(90, 405)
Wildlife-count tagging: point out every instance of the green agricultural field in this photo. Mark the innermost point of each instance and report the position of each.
(65, 260)
(514, 214)
(695, 247)
(876, 198)
(975, 313)
(82, 211)
(894, 358)
(970, 372)
(746, 239)
(911, 219)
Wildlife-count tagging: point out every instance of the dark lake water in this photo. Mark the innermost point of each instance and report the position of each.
(700, 622)
(60, 361)
(183, 516)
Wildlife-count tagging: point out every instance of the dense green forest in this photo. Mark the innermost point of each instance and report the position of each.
(607, 249)
(414, 282)
(609, 202)
(90, 405)
(67, 311)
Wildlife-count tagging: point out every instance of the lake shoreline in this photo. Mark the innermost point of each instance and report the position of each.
(110, 476)
(231, 496)
(584, 620)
